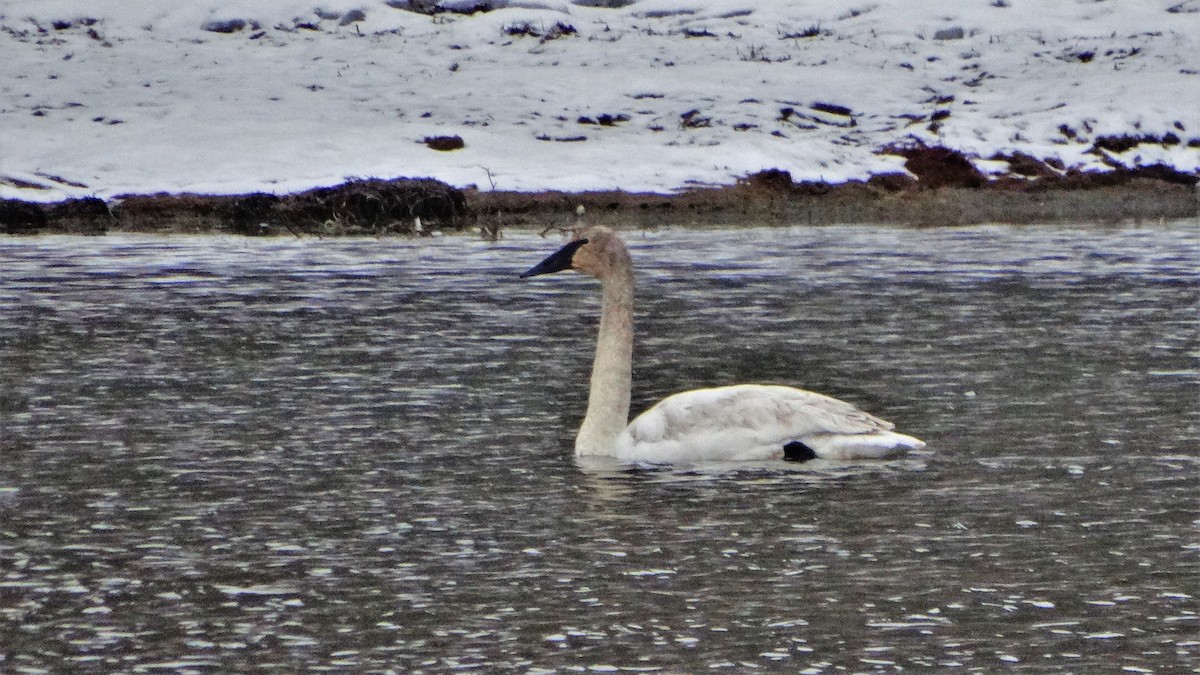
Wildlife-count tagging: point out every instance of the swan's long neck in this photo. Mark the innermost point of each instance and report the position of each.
(612, 370)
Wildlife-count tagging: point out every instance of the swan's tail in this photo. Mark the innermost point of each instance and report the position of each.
(863, 446)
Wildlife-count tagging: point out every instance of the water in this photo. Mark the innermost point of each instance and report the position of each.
(224, 454)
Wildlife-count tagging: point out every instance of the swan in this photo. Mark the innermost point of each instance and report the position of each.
(746, 422)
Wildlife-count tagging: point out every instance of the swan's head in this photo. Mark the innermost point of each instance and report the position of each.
(596, 251)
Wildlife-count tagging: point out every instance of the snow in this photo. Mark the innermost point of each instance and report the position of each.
(134, 96)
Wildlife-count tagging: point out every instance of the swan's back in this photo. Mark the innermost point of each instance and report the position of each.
(756, 422)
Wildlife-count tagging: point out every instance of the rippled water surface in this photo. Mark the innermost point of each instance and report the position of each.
(223, 454)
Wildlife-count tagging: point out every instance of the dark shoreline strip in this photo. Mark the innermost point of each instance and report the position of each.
(946, 193)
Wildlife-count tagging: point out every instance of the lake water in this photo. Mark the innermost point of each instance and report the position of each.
(223, 454)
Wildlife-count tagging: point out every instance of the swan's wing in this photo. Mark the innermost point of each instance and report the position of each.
(748, 422)
(786, 411)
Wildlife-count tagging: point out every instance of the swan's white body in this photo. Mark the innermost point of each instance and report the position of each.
(753, 422)
(749, 422)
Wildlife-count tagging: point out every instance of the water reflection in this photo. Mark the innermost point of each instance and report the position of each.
(227, 454)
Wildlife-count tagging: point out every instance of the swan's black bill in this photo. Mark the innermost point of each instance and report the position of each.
(558, 261)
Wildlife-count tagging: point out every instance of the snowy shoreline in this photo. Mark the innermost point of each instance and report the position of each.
(655, 96)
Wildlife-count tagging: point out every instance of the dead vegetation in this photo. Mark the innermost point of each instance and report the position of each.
(771, 197)
(541, 32)
(942, 188)
(376, 205)
(366, 206)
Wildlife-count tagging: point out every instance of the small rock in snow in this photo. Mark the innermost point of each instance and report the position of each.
(224, 25)
(953, 33)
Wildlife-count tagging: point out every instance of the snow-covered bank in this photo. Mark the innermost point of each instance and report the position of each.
(139, 97)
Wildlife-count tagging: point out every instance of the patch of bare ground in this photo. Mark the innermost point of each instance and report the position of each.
(941, 188)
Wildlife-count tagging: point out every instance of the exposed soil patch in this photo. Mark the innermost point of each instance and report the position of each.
(1125, 142)
(604, 119)
(831, 108)
(693, 119)
(938, 167)
(444, 143)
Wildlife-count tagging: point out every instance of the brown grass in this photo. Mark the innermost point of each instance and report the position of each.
(771, 198)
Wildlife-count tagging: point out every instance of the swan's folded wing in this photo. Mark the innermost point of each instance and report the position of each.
(739, 422)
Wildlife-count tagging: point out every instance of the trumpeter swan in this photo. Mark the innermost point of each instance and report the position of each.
(747, 422)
